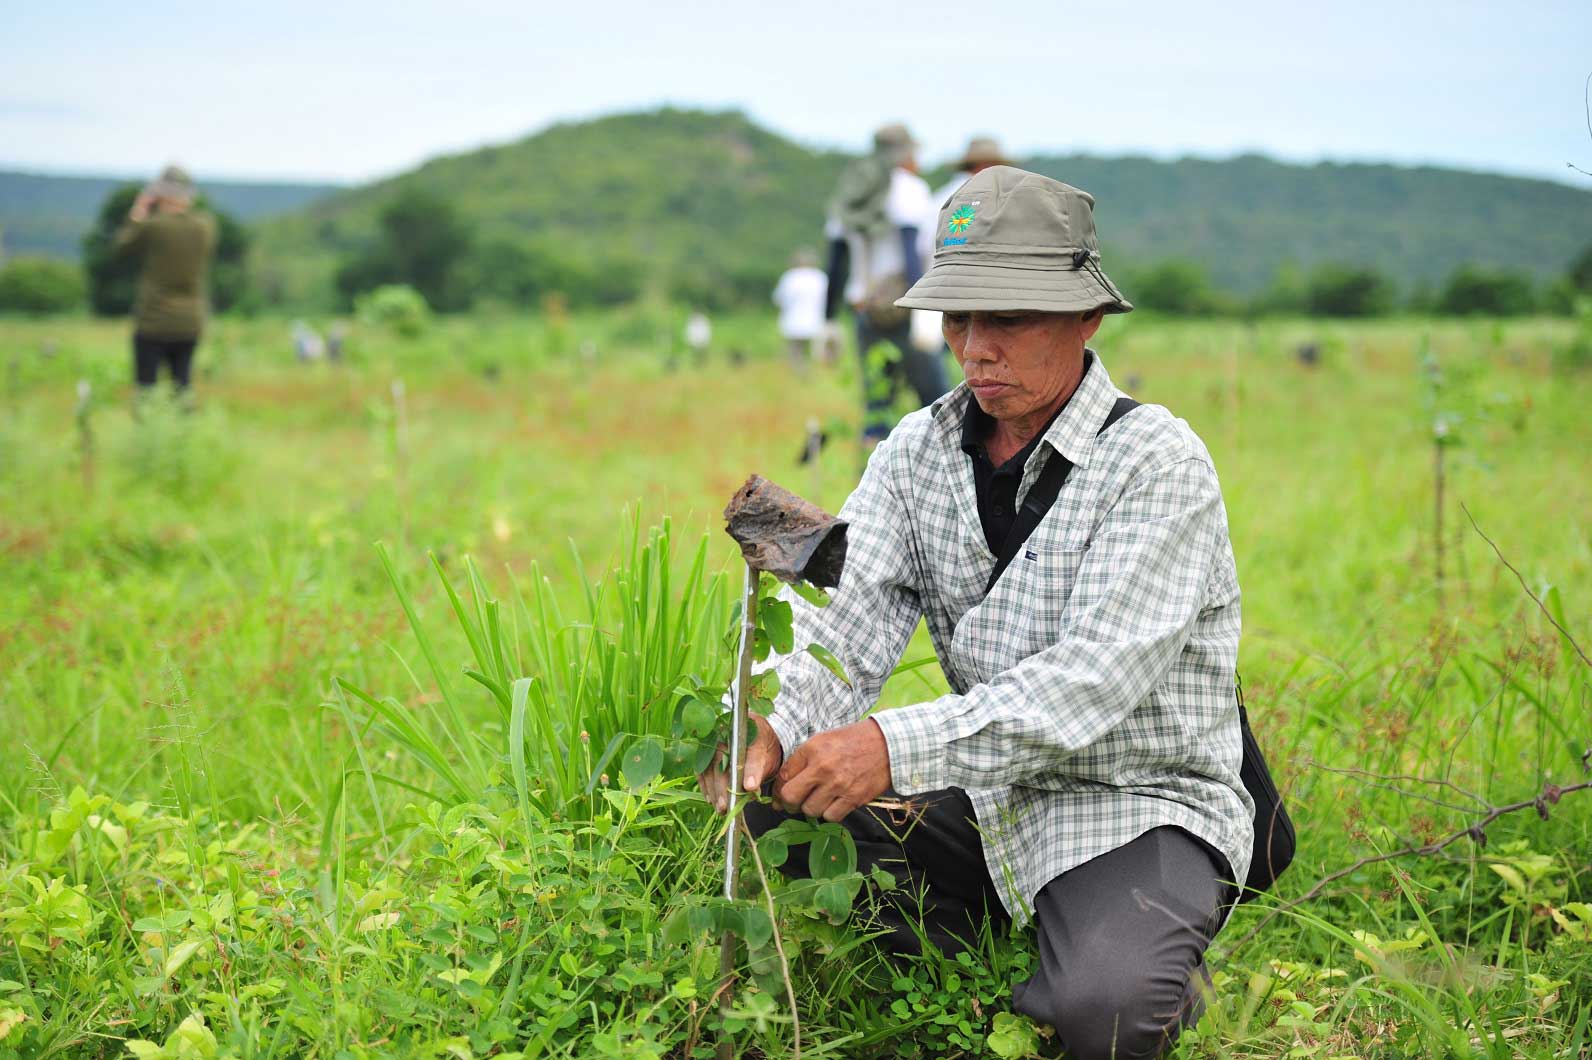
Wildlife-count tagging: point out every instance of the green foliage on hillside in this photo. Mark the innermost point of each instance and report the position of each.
(698, 206)
(1245, 218)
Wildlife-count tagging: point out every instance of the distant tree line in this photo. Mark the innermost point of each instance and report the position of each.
(1183, 288)
(423, 242)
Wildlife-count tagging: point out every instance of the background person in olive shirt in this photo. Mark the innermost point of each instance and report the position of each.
(175, 242)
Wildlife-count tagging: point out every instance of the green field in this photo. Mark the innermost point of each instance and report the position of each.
(210, 846)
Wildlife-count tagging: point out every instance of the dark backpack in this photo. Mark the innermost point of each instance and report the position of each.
(1274, 830)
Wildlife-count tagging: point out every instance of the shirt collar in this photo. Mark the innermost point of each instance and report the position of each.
(1071, 433)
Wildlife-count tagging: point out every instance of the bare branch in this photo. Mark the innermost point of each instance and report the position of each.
(1370, 779)
(1534, 597)
(1550, 795)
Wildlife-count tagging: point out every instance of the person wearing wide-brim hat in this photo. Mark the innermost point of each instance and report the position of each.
(981, 153)
(175, 243)
(880, 205)
(1084, 770)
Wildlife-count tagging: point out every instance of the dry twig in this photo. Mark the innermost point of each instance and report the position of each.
(1534, 597)
(779, 947)
(1549, 796)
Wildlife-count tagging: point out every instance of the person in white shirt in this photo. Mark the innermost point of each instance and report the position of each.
(875, 220)
(800, 297)
(982, 152)
(698, 335)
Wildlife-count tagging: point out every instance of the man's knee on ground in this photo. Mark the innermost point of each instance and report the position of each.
(1108, 1012)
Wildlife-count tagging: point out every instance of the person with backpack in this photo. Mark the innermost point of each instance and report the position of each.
(878, 208)
(1090, 769)
(175, 242)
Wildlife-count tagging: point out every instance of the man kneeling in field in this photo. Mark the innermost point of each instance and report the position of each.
(1085, 770)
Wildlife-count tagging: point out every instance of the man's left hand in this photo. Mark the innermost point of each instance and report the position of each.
(835, 772)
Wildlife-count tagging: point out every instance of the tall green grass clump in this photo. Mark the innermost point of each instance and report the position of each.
(569, 688)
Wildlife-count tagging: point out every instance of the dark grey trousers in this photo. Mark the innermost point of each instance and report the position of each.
(1122, 938)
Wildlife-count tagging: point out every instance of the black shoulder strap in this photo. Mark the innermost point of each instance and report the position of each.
(1042, 496)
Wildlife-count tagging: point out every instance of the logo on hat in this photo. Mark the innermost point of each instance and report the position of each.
(960, 220)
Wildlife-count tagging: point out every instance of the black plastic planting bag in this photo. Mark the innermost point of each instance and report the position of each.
(790, 538)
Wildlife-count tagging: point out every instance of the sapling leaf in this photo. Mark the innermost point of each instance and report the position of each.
(883, 878)
(765, 685)
(794, 831)
(811, 593)
(677, 927)
(760, 645)
(697, 718)
(756, 928)
(772, 849)
(829, 662)
(643, 762)
(704, 756)
(832, 853)
(833, 899)
(680, 756)
(779, 623)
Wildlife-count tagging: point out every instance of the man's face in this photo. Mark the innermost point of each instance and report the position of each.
(1019, 363)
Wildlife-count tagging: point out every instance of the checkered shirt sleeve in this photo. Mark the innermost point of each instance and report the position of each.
(867, 623)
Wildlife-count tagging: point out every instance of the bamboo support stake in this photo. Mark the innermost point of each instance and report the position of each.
(743, 681)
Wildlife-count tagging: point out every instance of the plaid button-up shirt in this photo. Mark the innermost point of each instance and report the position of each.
(1093, 687)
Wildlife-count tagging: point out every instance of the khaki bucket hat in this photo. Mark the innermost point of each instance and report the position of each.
(1010, 239)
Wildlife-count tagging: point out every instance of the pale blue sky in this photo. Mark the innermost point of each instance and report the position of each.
(355, 89)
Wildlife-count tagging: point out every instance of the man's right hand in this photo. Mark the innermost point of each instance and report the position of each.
(764, 756)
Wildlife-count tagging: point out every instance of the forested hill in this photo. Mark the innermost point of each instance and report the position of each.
(43, 214)
(689, 199)
(1245, 217)
(692, 201)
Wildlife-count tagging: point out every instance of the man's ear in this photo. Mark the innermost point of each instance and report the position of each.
(1089, 323)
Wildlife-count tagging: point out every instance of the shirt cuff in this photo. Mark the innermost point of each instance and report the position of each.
(916, 741)
(789, 733)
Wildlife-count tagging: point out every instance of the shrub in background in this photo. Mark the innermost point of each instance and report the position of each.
(1182, 288)
(1285, 295)
(396, 306)
(1473, 291)
(423, 243)
(1348, 291)
(40, 286)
